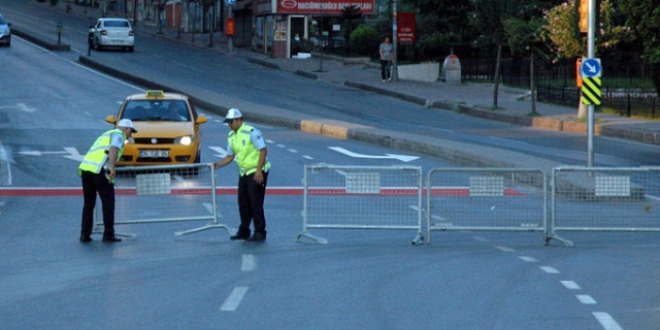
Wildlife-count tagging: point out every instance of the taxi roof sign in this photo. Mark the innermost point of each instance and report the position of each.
(155, 94)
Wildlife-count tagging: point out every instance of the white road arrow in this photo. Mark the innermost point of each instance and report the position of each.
(73, 154)
(70, 153)
(19, 106)
(402, 158)
(221, 153)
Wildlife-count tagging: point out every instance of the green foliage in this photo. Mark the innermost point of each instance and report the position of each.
(560, 30)
(642, 18)
(364, 40)
(53, 2)
(436, 46)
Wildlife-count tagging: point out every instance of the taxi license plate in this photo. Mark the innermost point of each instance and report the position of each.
(154, 154)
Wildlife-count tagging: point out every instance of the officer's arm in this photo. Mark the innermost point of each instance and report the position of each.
(223, 162)
(112, 160)
(259, 175)
(262, 159)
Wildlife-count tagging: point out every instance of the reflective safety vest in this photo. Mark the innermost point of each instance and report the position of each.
(97, 155)
(247, 155)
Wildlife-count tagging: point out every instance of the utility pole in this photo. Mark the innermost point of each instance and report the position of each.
(230, 18)
(395, 74)
(590, 109)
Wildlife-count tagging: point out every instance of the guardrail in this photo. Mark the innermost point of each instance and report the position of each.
(169, 193)
(361, 197)
(604, 199)
(489, 199)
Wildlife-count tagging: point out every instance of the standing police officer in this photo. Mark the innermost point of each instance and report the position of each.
(246, 144)
(97, 171)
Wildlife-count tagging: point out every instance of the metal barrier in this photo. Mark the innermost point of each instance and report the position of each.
(171, 193)
(604, 199)
(361, 197)
(497, 199)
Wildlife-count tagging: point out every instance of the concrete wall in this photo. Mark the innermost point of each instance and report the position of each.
(426, 72)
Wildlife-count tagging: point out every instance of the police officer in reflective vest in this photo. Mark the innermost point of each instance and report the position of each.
(247, 146)
(97, 171)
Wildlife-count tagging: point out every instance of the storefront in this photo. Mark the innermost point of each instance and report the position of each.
(283, 26)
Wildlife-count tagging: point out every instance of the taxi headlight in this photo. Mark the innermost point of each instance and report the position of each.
(184, 140)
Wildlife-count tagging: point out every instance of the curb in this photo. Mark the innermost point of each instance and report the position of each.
(40, 40)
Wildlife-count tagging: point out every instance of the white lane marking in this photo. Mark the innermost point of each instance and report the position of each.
(308, 157)
(281, 145)
(607, 321)
(248, 262)
(187, 67)
(586, 299)
(293, 151)
(504, 248)
(5, 164)
(480, 239)
(234, 299)
(549, 270)
(528, 259)
(570, 285)
(208, 207)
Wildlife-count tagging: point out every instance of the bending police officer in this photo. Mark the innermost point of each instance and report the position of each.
(97, 172)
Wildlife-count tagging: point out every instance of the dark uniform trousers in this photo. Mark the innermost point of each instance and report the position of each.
(92, 184)
(251, 203)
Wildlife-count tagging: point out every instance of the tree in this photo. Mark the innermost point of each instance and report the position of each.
(644, 22)
(352, 16)
(488, 18)
(525, 35)
(560, 32)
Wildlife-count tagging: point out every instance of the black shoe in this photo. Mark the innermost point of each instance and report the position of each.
(239, 237)
(85, 239)
(111, 239)
(258, 237)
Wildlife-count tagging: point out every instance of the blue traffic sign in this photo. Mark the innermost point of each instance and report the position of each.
(590, 68)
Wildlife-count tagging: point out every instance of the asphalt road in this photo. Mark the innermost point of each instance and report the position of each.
(363, 279)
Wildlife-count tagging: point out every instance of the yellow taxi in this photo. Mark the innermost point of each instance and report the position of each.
(168, 129)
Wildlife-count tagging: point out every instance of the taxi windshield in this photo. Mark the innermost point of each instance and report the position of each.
(156, 110)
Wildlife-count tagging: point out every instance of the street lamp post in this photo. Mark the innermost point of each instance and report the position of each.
(395, 74)
(321, 21)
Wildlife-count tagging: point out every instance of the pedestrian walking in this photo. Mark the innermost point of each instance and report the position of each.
(386, 59)
(246, 144)
(97, 172)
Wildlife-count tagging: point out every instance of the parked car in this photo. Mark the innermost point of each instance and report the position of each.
(5, 32)
(168, 129)
(112, 32)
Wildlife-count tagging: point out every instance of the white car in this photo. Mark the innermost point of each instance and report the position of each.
(112, 32)
(5, 32)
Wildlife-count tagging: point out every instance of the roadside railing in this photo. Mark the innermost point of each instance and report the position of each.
(160, 194)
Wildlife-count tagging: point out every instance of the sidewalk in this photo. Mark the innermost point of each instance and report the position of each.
(514, 105)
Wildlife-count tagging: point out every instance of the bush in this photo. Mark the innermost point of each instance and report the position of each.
(364, 40)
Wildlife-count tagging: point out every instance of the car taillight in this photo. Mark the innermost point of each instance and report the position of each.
(104, 32)
(130, 33)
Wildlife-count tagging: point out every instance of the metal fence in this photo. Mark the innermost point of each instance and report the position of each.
(555, 83)
(604, 199)
(502, 199)
(157, 194)
(361, 197)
